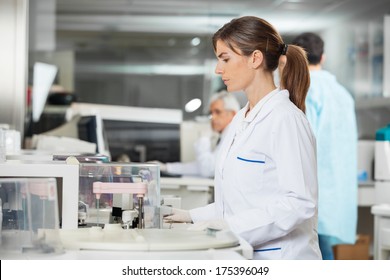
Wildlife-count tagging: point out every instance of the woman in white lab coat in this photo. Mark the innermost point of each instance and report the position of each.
(265, 178)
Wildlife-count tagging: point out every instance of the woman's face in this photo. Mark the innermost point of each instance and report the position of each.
(235, 69)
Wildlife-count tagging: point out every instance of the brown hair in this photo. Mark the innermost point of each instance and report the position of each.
(249, 33)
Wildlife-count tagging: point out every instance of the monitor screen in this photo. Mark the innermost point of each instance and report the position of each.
(91, 129)
(143, 141)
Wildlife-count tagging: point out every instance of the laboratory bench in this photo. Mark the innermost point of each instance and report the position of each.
(191, 191)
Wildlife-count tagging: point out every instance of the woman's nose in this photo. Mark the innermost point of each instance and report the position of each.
(218, 70)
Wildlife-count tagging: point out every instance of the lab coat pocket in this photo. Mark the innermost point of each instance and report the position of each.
(268, 254)
(271, 250)
(251, 167)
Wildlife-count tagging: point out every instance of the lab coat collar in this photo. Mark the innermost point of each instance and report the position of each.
(256, 110)
(240, 123)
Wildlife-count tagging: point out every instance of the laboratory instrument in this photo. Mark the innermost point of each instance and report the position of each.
(381, 209)
(119, 193)
(29, 207)
(119, 212)
(382, 166)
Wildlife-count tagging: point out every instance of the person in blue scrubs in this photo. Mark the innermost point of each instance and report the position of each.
(330, 110)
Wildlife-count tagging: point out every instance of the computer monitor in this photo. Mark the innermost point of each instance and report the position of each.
(143, 141)
(91, 129)
(135, 133)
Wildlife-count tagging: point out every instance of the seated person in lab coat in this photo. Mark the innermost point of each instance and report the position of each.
(330, 110)
(223, 107)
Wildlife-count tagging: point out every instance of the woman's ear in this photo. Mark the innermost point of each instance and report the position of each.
(257, 59)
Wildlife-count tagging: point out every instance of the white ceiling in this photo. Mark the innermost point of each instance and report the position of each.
(206, 16)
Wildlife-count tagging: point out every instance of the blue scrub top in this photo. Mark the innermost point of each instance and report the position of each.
(330, 110)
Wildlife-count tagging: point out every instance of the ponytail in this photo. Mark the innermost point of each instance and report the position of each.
(295, 76)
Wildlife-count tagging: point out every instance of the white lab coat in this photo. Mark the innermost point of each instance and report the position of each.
(266, 181)
(204, 165)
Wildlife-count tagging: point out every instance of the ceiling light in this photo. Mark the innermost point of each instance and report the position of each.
(193, 105)
(195, 41)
